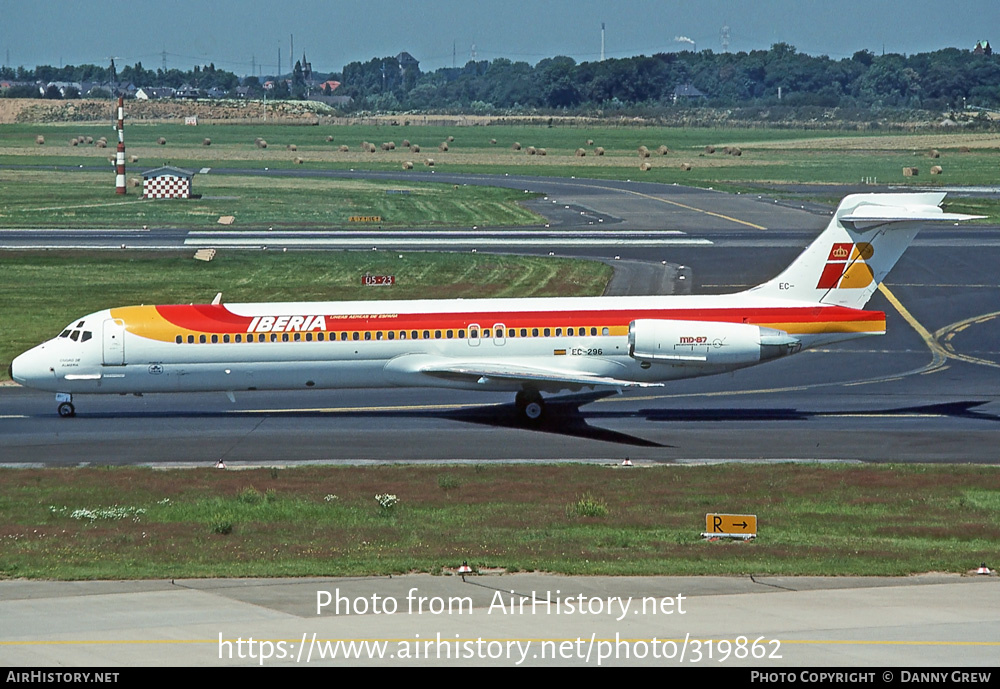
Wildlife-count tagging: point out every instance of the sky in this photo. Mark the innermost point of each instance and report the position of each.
(246, 36)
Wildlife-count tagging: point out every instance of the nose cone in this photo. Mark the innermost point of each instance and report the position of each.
(10, 372)
(30, 369)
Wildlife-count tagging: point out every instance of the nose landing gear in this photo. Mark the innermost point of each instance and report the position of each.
(66, 408)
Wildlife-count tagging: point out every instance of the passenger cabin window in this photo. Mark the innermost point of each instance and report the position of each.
(498, 333)
(215, 339)
(413, 335)
(190, 339)
(593, 332)
(548, 331)
(473, 334)
(486, 332)
(605, 331)
(179, 339)
(437, 334)
(534, 332)
(558, 332)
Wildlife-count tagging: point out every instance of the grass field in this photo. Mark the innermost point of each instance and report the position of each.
(124, 523)
(785, 156)
(37, 199)
(35, 286)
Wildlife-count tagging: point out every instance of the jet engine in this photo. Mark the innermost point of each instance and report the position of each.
(696, 343)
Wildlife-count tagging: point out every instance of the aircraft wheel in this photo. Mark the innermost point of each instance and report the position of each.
(533, 410)
(66, 410)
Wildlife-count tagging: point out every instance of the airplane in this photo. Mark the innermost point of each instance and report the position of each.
(523, 345)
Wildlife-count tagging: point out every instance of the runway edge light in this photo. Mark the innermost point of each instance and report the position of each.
(983, 569)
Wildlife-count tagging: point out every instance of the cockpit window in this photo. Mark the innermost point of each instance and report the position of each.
(75, 335)
(86, 336)
(64, 333)
(80, 324)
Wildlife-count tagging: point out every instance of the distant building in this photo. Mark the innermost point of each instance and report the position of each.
(406, 61)
(686, 92)
(167, 182)
(983, 48)
(154, 93)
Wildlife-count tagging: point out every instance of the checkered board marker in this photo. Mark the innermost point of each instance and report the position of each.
(166, 187)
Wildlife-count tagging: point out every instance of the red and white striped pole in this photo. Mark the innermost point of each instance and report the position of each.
(120, 158)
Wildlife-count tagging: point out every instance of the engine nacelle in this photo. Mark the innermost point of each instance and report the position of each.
(696, 343)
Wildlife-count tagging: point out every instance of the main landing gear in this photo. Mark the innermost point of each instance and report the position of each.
(65, 408)
(530, 405)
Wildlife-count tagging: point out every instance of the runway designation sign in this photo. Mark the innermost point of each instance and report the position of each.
(732, 525)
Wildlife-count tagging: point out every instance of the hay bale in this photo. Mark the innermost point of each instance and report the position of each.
(292, 147)
(736, 151)
(415, 148)
(646, 167)
(493, 142)
(663, 150)
(443, 146)
(343, 149)
(261, 144)
(516, 146)
(102, 144)
(709, 149)
(937, 170)
(599, 151)
(206, 142)
(161, 141)
(531, 150)
(329, 139)
(429, 162)
(372, 148)
(542, 151)
(643, 152)
(580, 152)
(73, 142)
(40, 140)
(385, 146)
(133, 159)
(964, 149)
(408, 165)
(685, 166)
(910, 171)
(933, 153)
(90, 140)
(406, 143)
(451, 139)
(590, 142)
(299, 160)
(134, 182)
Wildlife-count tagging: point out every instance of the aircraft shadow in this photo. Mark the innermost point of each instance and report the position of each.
(564, 416)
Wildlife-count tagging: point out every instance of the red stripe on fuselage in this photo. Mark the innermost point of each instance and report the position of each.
(209, 318)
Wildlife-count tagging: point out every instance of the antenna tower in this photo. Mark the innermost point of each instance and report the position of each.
(602, 41)
(724, 38)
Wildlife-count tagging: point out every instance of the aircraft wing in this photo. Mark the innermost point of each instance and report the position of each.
(485, 373)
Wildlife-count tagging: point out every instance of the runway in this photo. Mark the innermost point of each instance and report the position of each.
(927, 391)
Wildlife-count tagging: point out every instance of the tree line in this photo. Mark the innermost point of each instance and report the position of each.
(947, 79)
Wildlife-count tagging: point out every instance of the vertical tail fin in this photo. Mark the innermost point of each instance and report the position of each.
(866, 236)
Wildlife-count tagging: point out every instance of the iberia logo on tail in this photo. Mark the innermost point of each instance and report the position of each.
(846, 267)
